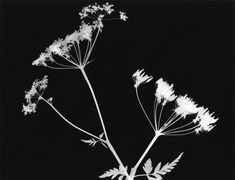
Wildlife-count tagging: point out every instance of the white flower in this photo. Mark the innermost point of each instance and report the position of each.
(164, 92)
(55, 48)
(108, 8)
(185, 106)
(85, 31)
(205, 119)
(33, 95)
(72, 37)
(29, 108)
(41, 61)
(123, 16)
(140, 78)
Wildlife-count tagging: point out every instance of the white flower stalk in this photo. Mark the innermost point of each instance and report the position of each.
(185, 106)
(139, 77)
(164, 92)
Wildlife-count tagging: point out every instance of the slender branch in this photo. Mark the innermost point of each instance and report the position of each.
(78, 58)
(51, 67)
(155, 105)
(179, 131)
(91, 48)
(172, 134)
(137, 95)
(170, 118)
(87, 50)
(160, 116)
(65, 66)
(180, 126)
(146, 150)
(75, 61)
(101, 120)
(172, 121)
(79, 53)
(70, 61)
(66, 120)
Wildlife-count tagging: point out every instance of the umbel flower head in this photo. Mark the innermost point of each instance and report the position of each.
(87, 34)
(164, 92)
(139, 77)
(184, 106)
(33, 95)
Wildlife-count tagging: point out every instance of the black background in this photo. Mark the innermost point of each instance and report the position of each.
(189, 44)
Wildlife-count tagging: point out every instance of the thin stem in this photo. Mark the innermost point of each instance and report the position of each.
(180, 126)
(91, 48)
(155, 105)
(79, 53)
(172, 121)
(78, 58)
(70, 61)
(59, 67)
(189, 129)
(66, 120)
(66, 66)
(171, 117)
(146, 150)
(183, 134)
(87, 49)
(74, 60)
(101, 120)
(137, 95)
(160, 116)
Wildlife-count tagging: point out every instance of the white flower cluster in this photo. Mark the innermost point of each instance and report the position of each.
(164, 92)
(140, 78)
(61, 47)
(205, 119)
(184, 105)
(94, 9)
(32, 96)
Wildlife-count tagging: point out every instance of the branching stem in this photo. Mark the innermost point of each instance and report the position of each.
(102, 122)
(137, 95)
(78, 128)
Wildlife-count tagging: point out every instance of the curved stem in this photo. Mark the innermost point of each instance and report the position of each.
(78, 128)
(137, 95)
(101, 120)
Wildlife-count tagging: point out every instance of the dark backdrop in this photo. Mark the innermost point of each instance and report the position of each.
(189, 44)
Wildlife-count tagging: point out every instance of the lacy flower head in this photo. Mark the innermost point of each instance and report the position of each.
(75, 49)
(164, 92)
(32, 96)
(176, 124)
(140, 78)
